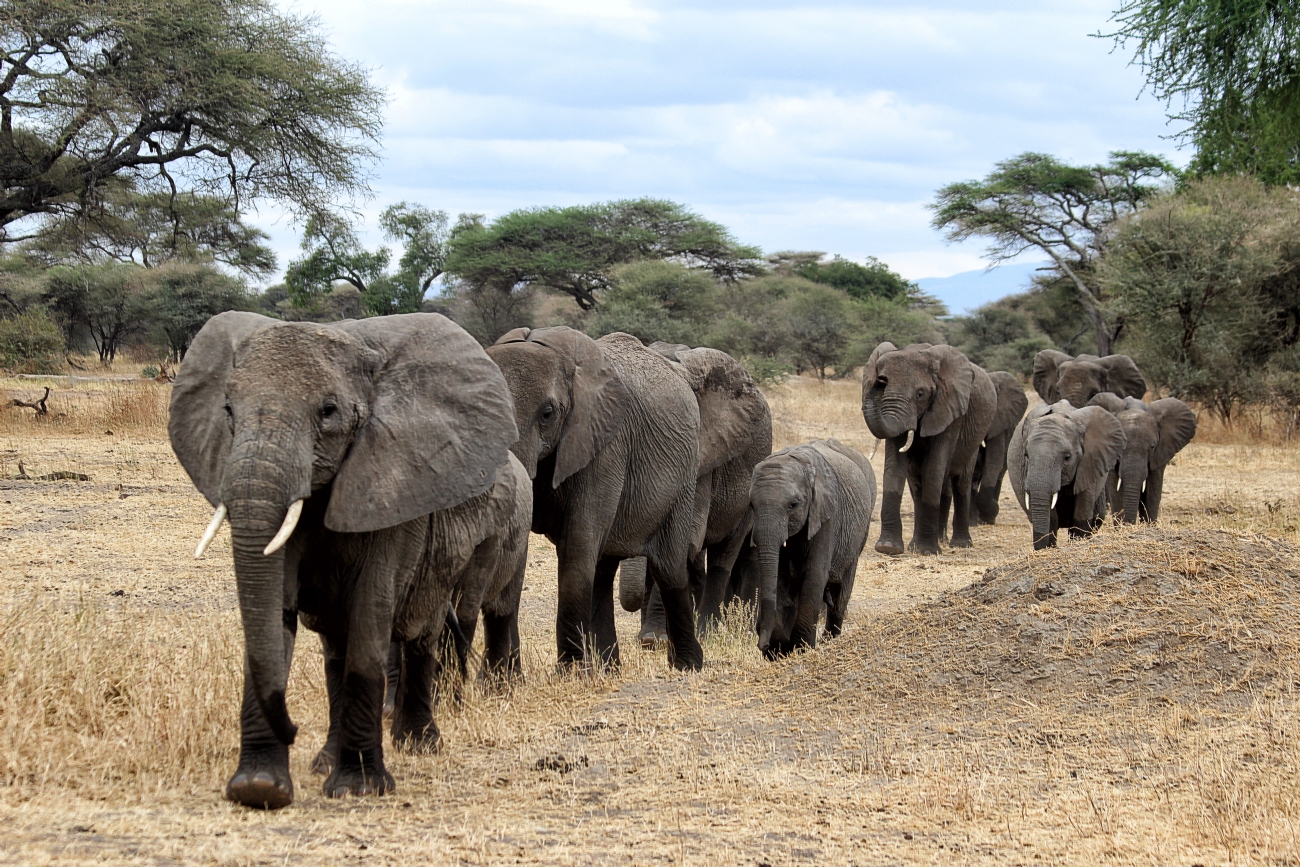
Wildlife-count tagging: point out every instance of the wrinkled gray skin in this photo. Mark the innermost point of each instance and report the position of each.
(1068, 453)
(991, 462)
(735, 434)
(1057, 377)
(394, 431)
(609, 432)
(1154, 433)
(812, 508)
(935, 392)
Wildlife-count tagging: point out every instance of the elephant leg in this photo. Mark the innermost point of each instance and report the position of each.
(945, 507)
(333, 650)
(602, 611)
(961, 486)
(994, 467)
(413, 727)
(1151, 494)
(501, 662)
(262, 778)
(930, 476)
(891, 501)
(654, 622)
(393, 671)
(719, 589)
(666, 566)
(578, 549)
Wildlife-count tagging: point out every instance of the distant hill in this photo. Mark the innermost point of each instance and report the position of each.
(965, 291)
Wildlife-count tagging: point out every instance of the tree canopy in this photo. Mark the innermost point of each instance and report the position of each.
(229, 98)
(1037, 202)
(1234, 68)
(574, 250)
(872, 280)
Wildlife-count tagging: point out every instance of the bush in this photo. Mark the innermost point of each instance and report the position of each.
(31, 342)
(656, 300)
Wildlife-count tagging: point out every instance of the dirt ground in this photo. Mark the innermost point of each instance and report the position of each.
(1003, 722)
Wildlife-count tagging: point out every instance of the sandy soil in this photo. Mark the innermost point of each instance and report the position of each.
(120, 672)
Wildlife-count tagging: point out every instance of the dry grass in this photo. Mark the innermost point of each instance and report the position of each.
(1148, 718)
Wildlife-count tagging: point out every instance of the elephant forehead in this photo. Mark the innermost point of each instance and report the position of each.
(906, 362)
(294, 348)
(1054, 427)
(1139, 421)
(527, 365)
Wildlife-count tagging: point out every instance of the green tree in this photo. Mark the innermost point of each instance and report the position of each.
(1234, 67)
(182, 297)
(31, 342)
(999, 337)
(575, 250)
(152, 228)
(335, 254)
(873, 280)
(656, 300)
(1208, 279)
(1036, 202)
(232, 97)
(108, 303)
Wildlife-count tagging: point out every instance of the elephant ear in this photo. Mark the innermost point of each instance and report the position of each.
(1177, 425)
(440, 427)
(1011, 405)
(869, 370)
(197, 424)
(1108, 401)
(1017, 460)
(954, 379)
(514, 335)
(600, 398)
(825, 489)
(732, 409)
(1122, 376)
(1045, 364)
(1103, 443)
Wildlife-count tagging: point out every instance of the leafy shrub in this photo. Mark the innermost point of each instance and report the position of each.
(31, 342)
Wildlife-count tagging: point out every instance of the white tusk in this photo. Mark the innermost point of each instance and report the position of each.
(211, 533)
(1053, 506)
(874, 449)
(907, 445)
(286, 529)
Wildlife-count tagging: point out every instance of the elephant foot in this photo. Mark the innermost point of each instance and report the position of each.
(323, 762)
(422, 741)
(961, 542)
(262, 780)
(689, 657)
(892, 547)
(925, 549)
(359, 778)
(653, 639)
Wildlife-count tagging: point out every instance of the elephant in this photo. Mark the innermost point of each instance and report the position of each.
(991, 462)
(735, 434)
(812, 507)
(1058, 462)
(1154, 433)
(364, 467)
(1057, 376)
(609, 433)
(932, 407)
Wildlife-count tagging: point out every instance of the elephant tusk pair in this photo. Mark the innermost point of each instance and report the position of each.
(286, 529)
(907, 445)
(211, 533)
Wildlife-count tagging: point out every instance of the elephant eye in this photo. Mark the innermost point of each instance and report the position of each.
(920, 392)
(794, 504)
(547, 411)
(328, 409)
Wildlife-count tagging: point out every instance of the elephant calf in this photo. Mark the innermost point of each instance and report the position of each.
(1058, 462)
(1154, 433)
(1057, 376)
(812, 508)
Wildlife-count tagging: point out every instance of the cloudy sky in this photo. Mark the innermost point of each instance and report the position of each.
(797, 125)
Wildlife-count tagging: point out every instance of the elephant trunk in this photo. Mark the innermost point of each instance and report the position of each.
(1132, 477)
(259, 487)
(1042, 485)
(887, 416)
(769, 535)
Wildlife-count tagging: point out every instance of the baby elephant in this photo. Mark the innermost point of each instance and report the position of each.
(812, 509)
(1155, 432)
(1058, 462)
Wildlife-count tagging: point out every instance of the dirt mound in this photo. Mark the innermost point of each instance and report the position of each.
(1205, 618)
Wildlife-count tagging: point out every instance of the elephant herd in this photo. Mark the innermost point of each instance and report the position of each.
(381, 477)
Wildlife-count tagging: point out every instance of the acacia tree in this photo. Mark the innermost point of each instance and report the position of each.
(231, 98)
(1235, 67)
(1036, 202)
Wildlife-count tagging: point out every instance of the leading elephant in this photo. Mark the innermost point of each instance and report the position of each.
(812, 508)
(1154, 432)
(932, 407)
(735, 434)
(356, 463)
(1058, 376)
(609, 433)
(1058, 462)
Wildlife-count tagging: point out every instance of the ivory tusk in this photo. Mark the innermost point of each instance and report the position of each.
(211, 533)
(286, 529)
(1053, 506)
(874, 449)
(907, 445)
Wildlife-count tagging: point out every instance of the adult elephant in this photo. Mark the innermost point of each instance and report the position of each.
(932, 407)
(362, 466)
(991, 462)
(812, 508)
(1154, 433)
(1058, 462)
(1058, 376)
(609, 432)
(735, 434)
